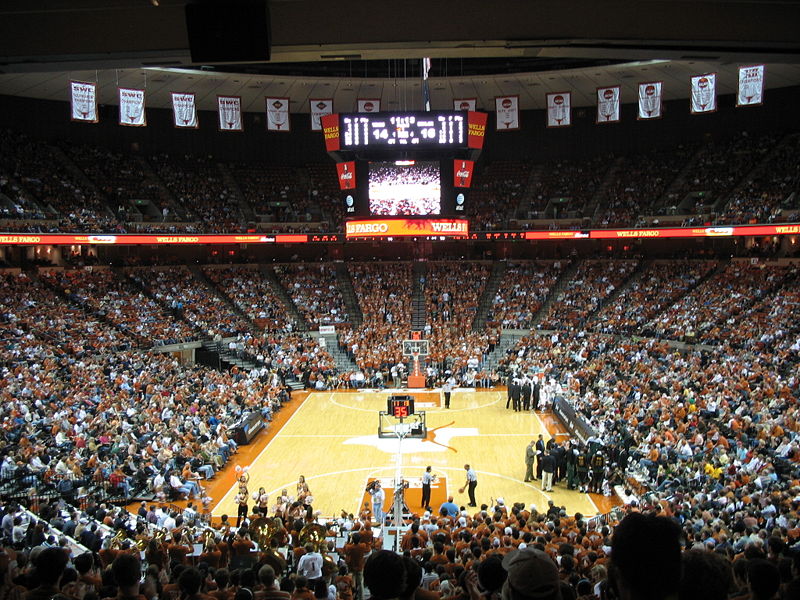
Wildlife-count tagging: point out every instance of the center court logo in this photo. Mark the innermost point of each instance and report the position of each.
(437, 440)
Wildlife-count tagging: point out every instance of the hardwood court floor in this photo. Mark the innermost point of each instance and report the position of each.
(331, 439)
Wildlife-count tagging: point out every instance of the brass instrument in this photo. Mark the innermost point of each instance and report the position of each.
(209, 541)
(263, 530)
(116, 541)
(314, 534)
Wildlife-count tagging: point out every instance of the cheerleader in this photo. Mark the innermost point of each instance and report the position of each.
(242, 496)
(262, 501)
(302, 489)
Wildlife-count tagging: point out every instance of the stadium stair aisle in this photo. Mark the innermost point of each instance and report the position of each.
(489, 293)
(348, 295)
(418, 309)
(280, 292)
(223, 480)
(555, 292)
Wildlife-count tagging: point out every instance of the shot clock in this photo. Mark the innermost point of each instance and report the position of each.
(400, 407)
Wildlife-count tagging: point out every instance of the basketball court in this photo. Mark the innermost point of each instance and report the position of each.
(332, 439)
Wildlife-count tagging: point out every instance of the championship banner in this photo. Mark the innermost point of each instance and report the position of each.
(751, 86)
(608, 104)
(465, 104)
(229, 113)
(83, 101)
(559, 109)
(650, 100)
(278, 114)
(368, 105)
(131, 107)
(476, 129)
(704, 93)
(184, 110)
(331, 132)
(507, 108)
(319, 108)
(462, 173)
(406, 227)
(347, 175)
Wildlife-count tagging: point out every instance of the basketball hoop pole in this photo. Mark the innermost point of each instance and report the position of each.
(415, 356)
(401, 433)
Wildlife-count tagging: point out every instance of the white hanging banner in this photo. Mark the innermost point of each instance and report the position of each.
(507, 108)
(83, 101)
(131, 107)
(559, 109)
(704, 93)
(368, 105)
(465, 104)
(229, 113)
(650, 100)
(608, 104)
(278, 114)
(184, 110)
(319, 108)
(751, 86)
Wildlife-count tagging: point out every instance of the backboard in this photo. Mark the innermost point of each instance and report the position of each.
(412, 426)
(411, 347)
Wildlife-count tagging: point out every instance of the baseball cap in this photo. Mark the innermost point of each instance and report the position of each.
(532, 575)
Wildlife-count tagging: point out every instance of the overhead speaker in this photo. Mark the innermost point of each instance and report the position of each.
(228, 32)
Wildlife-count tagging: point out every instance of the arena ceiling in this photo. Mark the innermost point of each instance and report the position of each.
(347, 50)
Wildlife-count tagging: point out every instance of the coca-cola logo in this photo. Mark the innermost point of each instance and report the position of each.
(346, 175)
(463, 174)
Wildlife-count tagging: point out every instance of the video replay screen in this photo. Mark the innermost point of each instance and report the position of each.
(405, 188)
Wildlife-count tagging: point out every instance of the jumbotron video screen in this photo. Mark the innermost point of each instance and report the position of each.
(403, 188)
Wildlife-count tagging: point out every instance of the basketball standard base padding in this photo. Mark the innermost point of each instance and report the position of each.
(416, 381)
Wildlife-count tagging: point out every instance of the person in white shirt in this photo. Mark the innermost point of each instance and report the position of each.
(310, 565)
(378, 497)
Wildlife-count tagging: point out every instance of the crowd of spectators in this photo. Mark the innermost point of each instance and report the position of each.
(40, 186)
(770, 190)
(253, 294)
(198, 188)
(452, 293)
(656, 288)
(111, 296)
(384, 296)
(582, 295)
(315, 291)
(180, 291)
(638, 183)
(574, 180)
(523, 290)
(276, 194)
(496, 193)
(703, 314)
(717, 168)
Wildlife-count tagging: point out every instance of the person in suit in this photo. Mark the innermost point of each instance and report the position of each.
(516, 395)
(530, 455)
(540, 448)
(526, 391)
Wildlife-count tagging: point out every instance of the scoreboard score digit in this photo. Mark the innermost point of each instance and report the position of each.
(400, 407)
